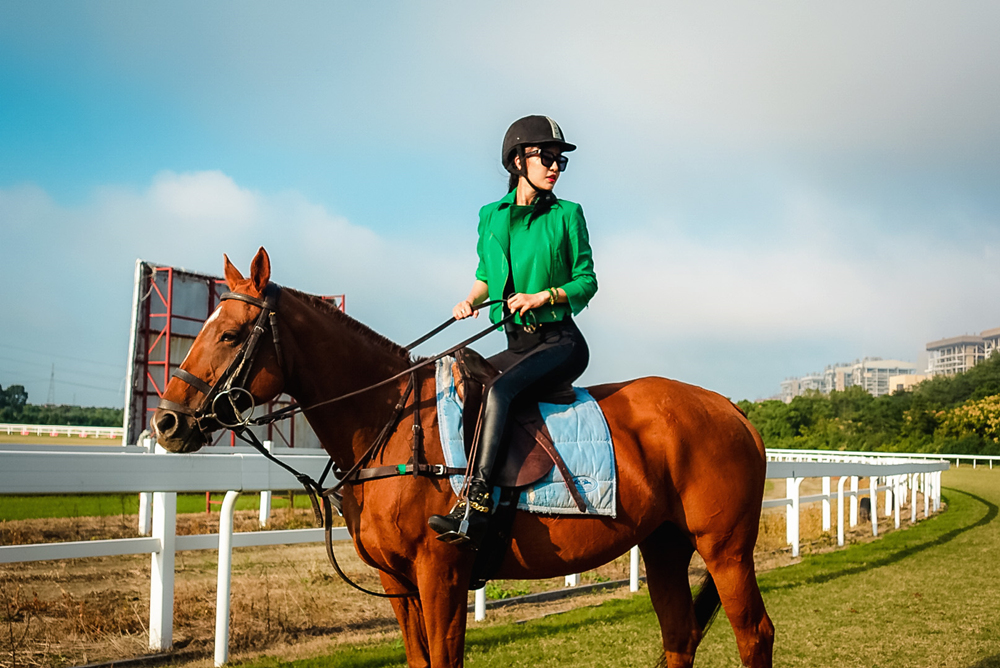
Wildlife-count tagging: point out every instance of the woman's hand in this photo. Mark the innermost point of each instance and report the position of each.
(463, 309)
(522, 303)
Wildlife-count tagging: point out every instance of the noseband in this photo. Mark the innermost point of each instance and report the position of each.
(230, 387)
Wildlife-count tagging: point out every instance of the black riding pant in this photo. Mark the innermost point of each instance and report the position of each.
(554, 354)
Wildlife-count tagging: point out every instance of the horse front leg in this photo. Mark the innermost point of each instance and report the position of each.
(444, 595)
(410, 615)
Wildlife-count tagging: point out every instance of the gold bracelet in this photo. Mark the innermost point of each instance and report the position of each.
(552, 296)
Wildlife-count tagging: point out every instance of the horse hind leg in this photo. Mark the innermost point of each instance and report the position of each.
(730, 563)
(667, 555)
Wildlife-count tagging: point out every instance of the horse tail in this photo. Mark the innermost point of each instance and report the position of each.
(706, 603)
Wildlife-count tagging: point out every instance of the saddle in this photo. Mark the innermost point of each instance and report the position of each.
(530, 454)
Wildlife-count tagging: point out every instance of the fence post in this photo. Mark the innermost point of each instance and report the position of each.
(146, 501)
(793, 515)
(840, 509)
(927, 497)
(896, 493)
(480, 604)
(633, 569)
(888, 497)
(854, 501)
(937, 491)
(161, 585)
(789, 483)
(265, 495)
(873, 491)
(224, 578)
(826, 503)
(913, 498)
(572, 580)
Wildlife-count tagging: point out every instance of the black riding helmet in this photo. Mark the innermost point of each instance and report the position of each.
(530, 131)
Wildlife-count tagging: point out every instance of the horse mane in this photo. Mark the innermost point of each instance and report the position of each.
(365, 331)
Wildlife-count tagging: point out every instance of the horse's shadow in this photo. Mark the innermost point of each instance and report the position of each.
(497, 636)
(991, 513)
(988, 662)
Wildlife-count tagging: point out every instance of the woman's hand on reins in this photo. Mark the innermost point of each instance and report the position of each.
(522, 303)
(463, 309)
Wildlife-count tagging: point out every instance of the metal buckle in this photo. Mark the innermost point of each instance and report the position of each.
(439, 469)
(241, 419)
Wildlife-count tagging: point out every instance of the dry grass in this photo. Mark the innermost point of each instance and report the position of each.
(284, 598)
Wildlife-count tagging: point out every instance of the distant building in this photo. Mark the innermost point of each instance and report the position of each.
(871, 373)
(991, 341)
(906, 381)
(958, 354)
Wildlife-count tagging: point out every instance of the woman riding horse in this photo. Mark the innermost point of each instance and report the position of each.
(534, 255)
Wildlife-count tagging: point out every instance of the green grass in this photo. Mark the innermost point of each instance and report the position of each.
(99, 505)
(926, 596)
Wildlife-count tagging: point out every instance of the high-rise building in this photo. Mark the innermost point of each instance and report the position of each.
(871, 373)
(957, 354)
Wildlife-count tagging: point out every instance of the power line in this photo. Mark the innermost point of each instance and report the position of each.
(88, 374)
(58, 383)
(67, 357)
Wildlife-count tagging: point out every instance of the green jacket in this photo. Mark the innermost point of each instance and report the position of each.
(549, 248)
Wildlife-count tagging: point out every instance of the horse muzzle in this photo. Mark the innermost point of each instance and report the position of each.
(177, 432)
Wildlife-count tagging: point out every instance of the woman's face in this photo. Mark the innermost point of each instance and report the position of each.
(541, 176)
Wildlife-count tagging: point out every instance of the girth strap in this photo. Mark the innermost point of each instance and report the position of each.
(432, 470)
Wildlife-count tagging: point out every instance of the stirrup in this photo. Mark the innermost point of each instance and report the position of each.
(469, 513)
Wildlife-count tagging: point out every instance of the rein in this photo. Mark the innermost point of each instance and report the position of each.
(230, 386)
(292, 409)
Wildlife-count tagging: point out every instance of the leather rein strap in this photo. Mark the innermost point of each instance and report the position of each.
(232, 381)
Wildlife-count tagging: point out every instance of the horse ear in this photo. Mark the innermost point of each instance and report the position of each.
(260, 270)
(233, 275)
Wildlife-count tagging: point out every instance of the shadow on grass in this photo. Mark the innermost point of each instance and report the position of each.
(892, 557)
(382, 656)
(988, 662)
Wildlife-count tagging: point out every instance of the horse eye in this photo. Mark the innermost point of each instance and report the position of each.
(229, 337)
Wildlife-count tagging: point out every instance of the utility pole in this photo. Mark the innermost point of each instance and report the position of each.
(51, 399)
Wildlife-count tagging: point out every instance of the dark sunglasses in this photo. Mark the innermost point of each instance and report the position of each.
(547, 159)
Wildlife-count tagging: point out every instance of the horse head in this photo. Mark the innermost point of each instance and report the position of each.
(233, 364)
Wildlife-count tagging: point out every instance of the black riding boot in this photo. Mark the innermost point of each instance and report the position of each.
(467, 521)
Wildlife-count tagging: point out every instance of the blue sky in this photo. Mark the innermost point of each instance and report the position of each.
(769, 188)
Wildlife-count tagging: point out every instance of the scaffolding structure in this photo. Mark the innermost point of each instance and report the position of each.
(169, 307)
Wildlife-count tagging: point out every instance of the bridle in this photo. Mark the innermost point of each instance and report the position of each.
(230, 389)
(230, 386)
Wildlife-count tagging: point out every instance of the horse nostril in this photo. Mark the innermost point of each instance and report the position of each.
(166, 424)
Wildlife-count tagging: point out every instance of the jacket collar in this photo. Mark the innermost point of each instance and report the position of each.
(544, 202)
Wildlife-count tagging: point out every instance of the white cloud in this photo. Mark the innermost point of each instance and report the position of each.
(831, 275)
(73, 265)
(202, 196)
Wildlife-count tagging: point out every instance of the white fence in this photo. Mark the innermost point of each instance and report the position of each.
(61, 430)
(132, 469)
(845, 455)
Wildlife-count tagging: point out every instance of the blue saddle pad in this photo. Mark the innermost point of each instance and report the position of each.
(581, 436)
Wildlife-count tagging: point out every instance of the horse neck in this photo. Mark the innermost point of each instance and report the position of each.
(327, 355)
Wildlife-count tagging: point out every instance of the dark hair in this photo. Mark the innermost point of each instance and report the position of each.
(512, 181)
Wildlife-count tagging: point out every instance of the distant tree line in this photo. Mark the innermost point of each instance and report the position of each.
(14, 407)
(949, 414)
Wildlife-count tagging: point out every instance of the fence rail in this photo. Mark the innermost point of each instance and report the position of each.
(61, 430)
(159, 476)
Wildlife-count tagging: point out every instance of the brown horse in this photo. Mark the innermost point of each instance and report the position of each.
(691, 475)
